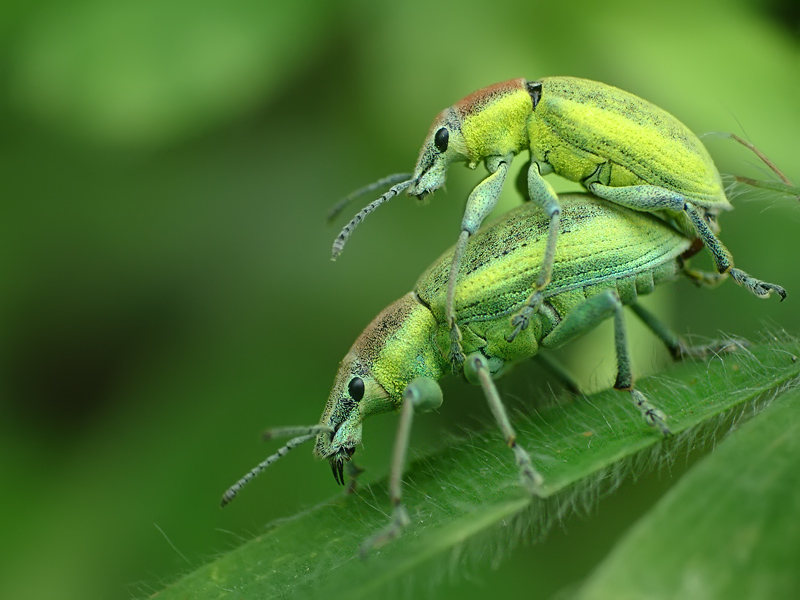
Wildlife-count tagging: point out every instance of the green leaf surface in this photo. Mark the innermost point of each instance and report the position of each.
(729, 529)
(466, 505)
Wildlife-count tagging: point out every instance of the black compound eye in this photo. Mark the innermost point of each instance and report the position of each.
(356, 388)
(441, 139)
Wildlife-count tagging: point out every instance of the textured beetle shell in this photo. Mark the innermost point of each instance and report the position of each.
(579, 124)
(601, 246)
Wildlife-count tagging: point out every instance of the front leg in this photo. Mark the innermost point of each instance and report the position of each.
(542, 194)
(476, 370)
(421, 395)
(480, 203)
(353, 472)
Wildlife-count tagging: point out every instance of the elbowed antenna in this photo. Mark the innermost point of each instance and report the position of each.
(307, 433)
(341, 239)
(367, 189)
(279, 432)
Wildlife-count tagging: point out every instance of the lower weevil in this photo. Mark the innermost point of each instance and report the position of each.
(609, 256)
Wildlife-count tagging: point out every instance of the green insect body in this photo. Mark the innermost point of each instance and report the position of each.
(621, 147)
(608, 256)
(584, 130)
(410, 338)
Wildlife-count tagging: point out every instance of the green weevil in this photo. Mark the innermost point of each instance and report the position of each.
(608, 256)
(619, 146)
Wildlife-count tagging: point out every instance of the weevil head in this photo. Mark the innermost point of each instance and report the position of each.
(443, 146)
(356, 393)
(393, 350)
(489, 122)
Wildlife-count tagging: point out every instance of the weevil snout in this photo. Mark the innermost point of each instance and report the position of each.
(338, 447)
(338, 444)
(342, 439)
(429, 175)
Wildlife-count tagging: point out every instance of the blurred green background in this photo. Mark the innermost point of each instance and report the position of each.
(166, 284)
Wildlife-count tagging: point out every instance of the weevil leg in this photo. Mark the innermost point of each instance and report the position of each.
(724, 260)
(558, 370)
(651, 198)
(399, 518)
(476, 369)
(586, 316)
(480, 203)
(704, 278)
(456, 355)
(653, 416)
(759, 288)
(678, 348)
(542, 194)
(353, 472)
(421, 395)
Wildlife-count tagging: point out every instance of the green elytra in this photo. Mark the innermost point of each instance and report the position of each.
(621, 147)
(608, 256)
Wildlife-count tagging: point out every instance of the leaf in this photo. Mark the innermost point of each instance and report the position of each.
(465, 503)
(728, 529)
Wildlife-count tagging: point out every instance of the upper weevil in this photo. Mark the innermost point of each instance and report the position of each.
(622, 148)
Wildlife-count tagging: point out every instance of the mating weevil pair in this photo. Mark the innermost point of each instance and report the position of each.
(558, 266)
(620, 147)
(608, 256)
